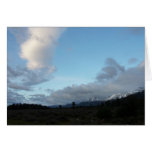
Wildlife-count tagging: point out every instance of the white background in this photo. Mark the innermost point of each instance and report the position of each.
(74, 138)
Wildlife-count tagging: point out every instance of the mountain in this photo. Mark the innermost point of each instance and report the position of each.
(120, 95)
(129, 110)
(99, 102)
(138, 93)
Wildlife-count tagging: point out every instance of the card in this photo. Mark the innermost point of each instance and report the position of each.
(76, 75)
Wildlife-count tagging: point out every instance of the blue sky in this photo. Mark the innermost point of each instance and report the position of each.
(78, 54)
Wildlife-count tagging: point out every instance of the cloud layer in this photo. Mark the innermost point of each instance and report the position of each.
(126, 81)
(116, 78)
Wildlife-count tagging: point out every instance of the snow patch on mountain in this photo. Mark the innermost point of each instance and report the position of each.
(120, 95)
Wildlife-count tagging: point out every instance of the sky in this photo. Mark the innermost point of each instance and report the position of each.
(59, 65)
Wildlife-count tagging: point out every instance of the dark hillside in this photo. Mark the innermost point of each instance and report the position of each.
(125, 111)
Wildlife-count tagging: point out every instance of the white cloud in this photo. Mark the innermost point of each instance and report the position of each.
(39, 47)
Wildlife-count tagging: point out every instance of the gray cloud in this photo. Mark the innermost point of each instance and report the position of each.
(120, 81)
(111, 70)
(107, 73)
(132, 78)
(13, 73)
(18, 86)
(112, 62)
(127, 81)
(23, 79)
(31, 78)
(38, 99)
(13, 97)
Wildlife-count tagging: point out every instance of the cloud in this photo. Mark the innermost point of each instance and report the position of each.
(112, 62)
(13, 73)
(126, 81)
(121, 81)
(111, 70)
(13, 97)
(31, 78)
(132, 79)
(132, 60)
(18, 86)
(38, 99)
(23, 79)
(39, 47)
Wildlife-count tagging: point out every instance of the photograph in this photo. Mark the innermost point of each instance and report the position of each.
(75, 75)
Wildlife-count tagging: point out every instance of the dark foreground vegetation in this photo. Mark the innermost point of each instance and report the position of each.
(125, 111)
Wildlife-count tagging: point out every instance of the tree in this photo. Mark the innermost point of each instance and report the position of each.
(73, 105)
(60, 106)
